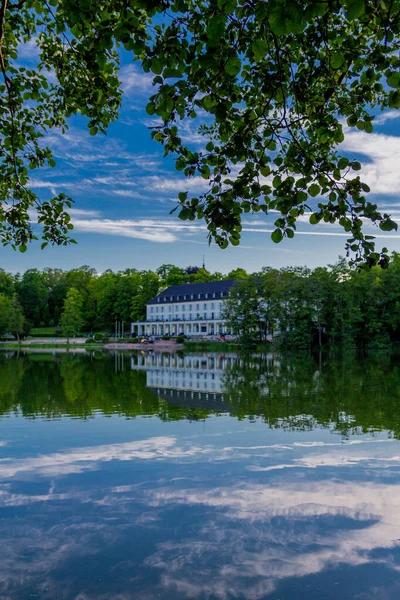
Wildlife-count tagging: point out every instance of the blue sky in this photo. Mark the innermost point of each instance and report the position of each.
(124, 188)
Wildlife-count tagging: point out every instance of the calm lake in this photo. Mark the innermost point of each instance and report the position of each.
(199, 477)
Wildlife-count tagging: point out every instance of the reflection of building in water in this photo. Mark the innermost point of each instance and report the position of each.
(193, 380)
(201, 373)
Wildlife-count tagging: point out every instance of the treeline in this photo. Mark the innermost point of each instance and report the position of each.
(37, 298)
(304, 308)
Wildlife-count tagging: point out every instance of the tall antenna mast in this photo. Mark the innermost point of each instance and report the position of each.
(204, 264)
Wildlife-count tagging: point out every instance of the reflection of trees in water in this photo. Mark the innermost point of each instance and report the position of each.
(351, 395)
(298, 393)
(79, 385)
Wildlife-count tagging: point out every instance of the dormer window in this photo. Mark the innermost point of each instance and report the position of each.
(191, 297)
(214, 295)
(206, 295)
(178, 297)
(184, 297)
(171, 298)
(158, 299)
(198, 295)
(165, 298)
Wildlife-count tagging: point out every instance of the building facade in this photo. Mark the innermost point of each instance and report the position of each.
(192, 309)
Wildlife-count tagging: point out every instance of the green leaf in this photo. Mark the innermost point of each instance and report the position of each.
(394, 80)
(314, 190)
(337, 60)
(388, 225)
(216, 28)
(157, 65)
(150, 108)
(265, 171)
(277, 236)
(355, 8)
(185, 214)
(260, 48)
(314, 219)
(233, 65)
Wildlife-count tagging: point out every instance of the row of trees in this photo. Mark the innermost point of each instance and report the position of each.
(303, 308)
(297, 306)
(95, 301)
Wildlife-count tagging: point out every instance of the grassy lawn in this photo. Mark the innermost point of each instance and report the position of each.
(38, 331)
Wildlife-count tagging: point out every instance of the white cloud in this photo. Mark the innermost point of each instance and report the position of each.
(388, 115)
(123, 228)
(136, 82)
(382, 174)
(169, 184)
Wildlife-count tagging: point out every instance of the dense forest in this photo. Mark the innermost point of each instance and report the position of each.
(304, 308)
(297, 306)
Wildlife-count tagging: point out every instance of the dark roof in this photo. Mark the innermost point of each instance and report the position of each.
(176, 293)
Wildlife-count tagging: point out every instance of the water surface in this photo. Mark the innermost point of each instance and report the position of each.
(201, 477)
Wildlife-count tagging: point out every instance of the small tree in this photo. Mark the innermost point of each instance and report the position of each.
(5, 305)
(242, 311)
(16, 318)
(71, 317)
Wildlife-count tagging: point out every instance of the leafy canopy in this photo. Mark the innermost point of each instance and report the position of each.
(276, 83)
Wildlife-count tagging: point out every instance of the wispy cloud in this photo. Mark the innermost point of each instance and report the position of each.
(135, 82)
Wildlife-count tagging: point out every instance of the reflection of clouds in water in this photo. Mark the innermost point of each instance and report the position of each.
(245, 538)
(168, 448)
(78, 460)
(280, 524)
(278, 535)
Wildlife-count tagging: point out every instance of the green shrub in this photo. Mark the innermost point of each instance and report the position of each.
(166, 337)
(98, 337)
(89, 341)
(180, 339)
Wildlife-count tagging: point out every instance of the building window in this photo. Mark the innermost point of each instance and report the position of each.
(212, 305)
(204, 306)
(190, 307)
(176, 308)
(151, 309)
(158, 299)
(214, 295)
(206, 295)
(171, 298)
(178, 297)
(198, 296)
(162, 309)
(184, 297)
(183, 308)
(212, 316)
(156, 309)
(190, 316)
(205, 315)
(191, 297)
(197, 306)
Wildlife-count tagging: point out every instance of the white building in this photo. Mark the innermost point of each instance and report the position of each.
(193, 309)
